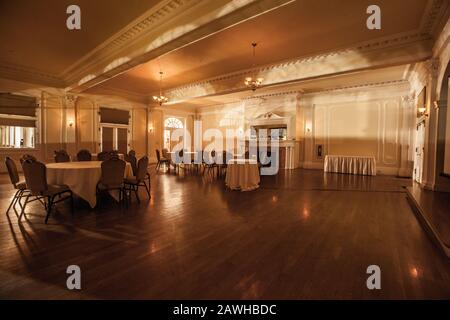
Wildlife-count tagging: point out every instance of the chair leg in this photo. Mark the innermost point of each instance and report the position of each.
(49, 208)
(23, 208)
(13, 201)
(71, 204)
(136, 194)
(19, 198)
(147, 188)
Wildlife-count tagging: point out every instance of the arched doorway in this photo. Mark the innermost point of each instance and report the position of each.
(171, 124)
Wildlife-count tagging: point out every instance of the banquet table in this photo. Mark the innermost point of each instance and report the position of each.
(242, 174)
(81, 176)
(360, 165)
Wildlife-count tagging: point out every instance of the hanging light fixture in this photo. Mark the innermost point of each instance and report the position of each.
(253, 82)
(160, 99)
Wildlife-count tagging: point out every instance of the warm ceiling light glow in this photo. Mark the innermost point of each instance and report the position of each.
(252, 82)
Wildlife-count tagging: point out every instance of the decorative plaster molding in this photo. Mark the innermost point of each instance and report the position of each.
(403, 50)
(156, 33)
(432, 20)
(27, 74)
(121, 39)
(432, 67)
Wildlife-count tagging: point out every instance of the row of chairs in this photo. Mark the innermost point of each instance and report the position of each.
(208, 166)
(36, 188)
(85, 155)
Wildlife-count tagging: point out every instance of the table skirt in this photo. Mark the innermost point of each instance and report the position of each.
(350, 165)
(242, 175)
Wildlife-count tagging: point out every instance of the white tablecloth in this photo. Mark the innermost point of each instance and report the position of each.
(242, 175)
(350, 164)
(82, 177)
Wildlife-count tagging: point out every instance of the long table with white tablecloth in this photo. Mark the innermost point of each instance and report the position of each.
(362, 165)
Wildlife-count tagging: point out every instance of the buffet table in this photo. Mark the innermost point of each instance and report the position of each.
(242, 174)
(82, 177)
(350, 164)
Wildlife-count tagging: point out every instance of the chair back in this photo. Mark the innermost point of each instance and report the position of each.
(26, 157)
(12, 170)
(113, 171)
(35, 176)
(104, 155)
(209, 157)
(133, 161)
(165, 153)
(158, 155)
(62, 156)
(142, 167)
(84, 155)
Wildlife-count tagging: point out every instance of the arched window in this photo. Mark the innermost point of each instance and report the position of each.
(173, 123)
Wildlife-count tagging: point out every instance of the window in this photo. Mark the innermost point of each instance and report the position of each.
(114, 129)
(17, 137)
(17, 121)
(170, 125)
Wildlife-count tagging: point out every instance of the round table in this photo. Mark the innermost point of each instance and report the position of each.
(242, 174)
(81, 176)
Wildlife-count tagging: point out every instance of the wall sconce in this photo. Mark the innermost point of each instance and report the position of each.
(70, 123)
(150, 129)
(422, 111)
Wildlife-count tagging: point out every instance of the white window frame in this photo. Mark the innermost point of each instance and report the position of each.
(36, 131)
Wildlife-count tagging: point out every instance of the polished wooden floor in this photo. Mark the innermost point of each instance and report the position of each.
(434, 208)
(302, 235)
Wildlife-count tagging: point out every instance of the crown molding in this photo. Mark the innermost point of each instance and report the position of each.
(166, 27)
(396, 50)
(26, 74)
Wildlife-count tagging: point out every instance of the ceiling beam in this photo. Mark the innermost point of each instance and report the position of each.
(170, 25)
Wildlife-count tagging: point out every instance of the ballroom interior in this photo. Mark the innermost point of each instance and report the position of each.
(362, 177)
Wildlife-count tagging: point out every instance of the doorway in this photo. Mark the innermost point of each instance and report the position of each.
(114, 137)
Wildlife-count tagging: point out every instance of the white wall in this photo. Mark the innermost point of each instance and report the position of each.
(360, 122)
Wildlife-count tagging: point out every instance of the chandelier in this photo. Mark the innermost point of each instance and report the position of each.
(160, 99)
(253, 82)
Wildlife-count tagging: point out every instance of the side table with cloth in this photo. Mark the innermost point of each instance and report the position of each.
(82, 177)
(350, 164)
(242, 174)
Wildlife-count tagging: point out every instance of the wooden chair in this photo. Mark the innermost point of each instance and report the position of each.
(19, 186)
(211, 164)
(133, 184)
(61, 156)
(224, 165)
(161, 160)
(111, 178)
(36, 181)
(103, 156)
(26, 157)
(84, 155)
